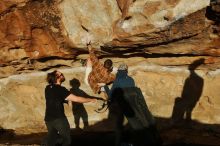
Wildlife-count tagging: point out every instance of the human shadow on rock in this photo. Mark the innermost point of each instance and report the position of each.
(192, 90)
(78, 109)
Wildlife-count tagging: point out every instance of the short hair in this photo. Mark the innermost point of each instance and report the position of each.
(108, 64)
(123, 66)
(52, 77)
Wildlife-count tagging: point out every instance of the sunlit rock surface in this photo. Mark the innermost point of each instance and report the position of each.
(32, 30)
(159, 39)
(23, 104)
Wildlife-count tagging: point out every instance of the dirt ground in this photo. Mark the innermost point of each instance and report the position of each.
(171, 137)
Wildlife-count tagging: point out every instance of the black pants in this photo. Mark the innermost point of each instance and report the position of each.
(58, 132)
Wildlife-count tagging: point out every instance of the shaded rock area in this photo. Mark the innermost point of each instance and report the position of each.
(162, 41)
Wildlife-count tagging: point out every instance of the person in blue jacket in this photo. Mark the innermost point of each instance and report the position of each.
(122, 80)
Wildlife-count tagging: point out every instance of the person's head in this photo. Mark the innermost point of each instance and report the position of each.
(122, 71)
(108, 64)
(55, 77)
(123, 67)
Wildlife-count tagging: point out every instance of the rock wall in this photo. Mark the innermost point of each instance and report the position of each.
(34, 32)
(23, 105)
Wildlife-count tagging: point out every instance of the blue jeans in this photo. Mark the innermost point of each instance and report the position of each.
(58, 132)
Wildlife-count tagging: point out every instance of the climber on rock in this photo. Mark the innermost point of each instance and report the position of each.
(96, 72)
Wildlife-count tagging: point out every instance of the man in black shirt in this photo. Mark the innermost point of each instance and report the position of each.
(55, 118)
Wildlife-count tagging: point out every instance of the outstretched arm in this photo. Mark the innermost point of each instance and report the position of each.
(79, 99)
(93, 58)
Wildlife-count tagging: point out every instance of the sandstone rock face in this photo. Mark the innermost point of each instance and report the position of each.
(23, 104)
(85, 20)
(31, 30)
(159, 39)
